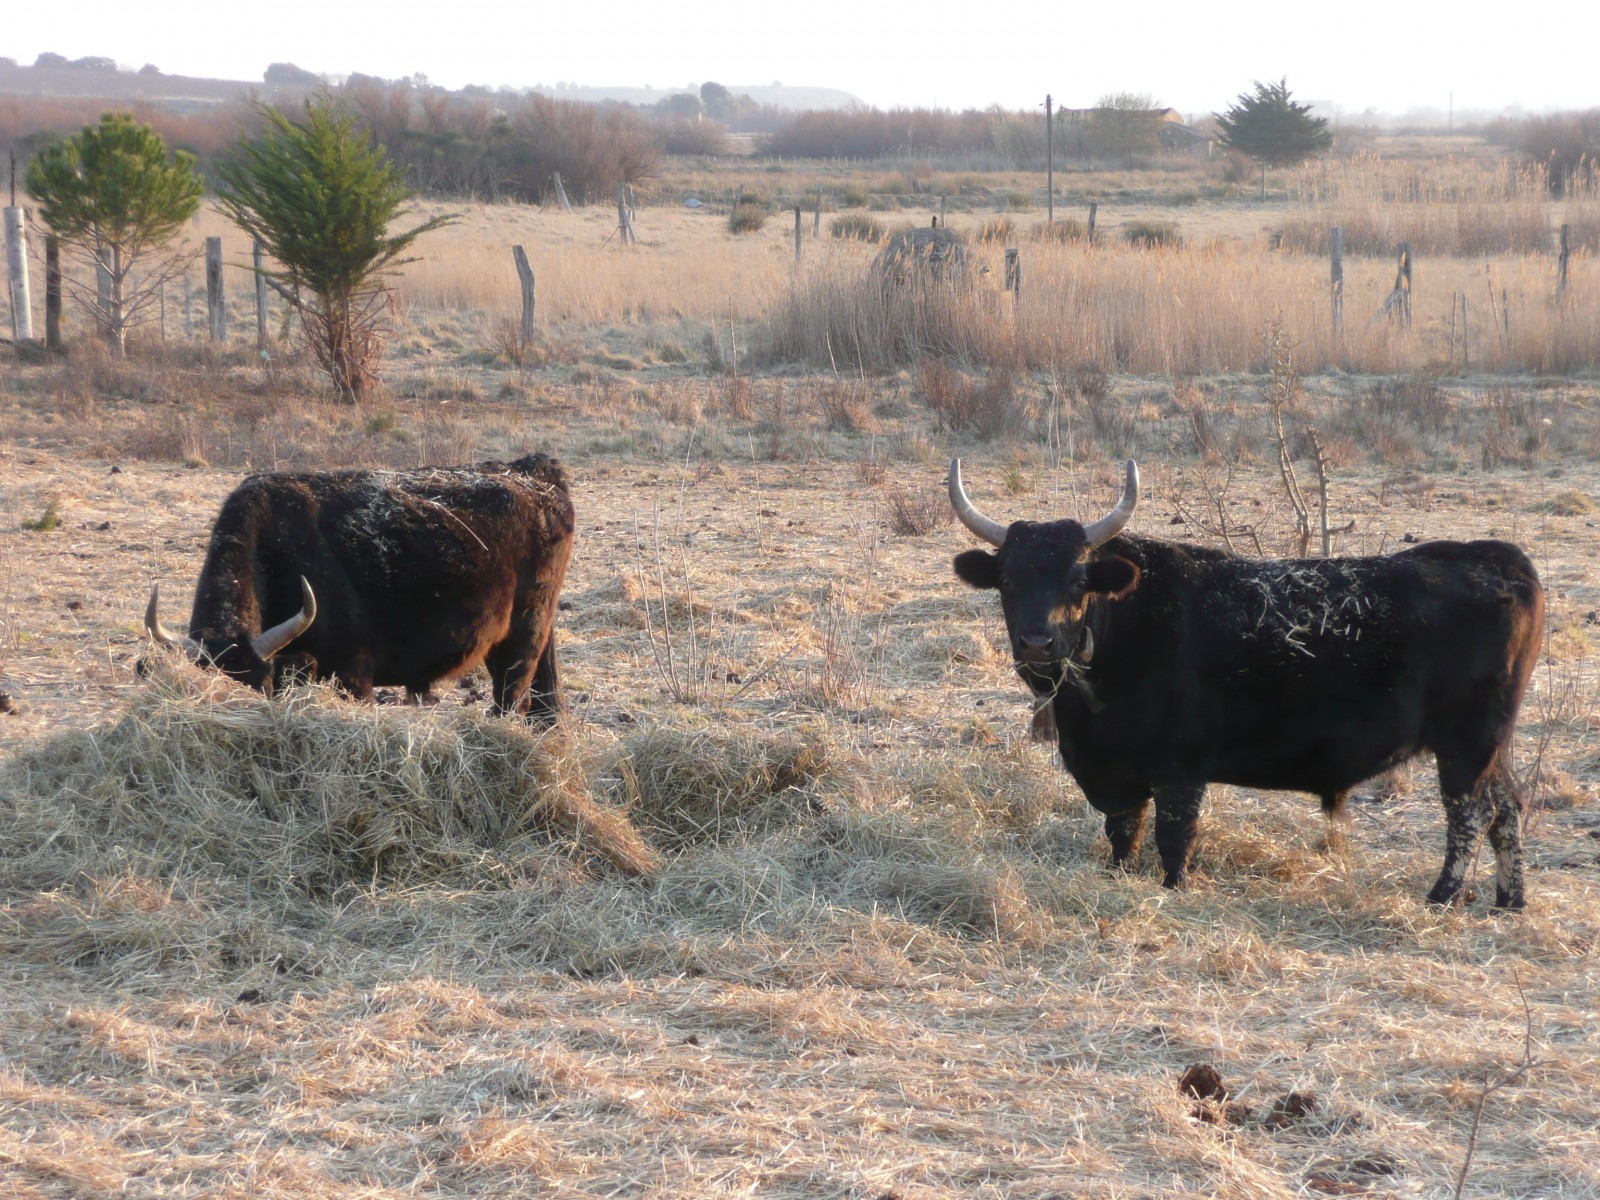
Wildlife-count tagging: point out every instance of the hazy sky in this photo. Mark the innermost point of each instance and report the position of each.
(1357, 54)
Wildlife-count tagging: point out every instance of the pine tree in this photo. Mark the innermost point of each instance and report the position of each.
(114, 199)
(320, 197)
(1272, 129)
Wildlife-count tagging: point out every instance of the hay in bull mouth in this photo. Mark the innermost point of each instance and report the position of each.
(303, 796)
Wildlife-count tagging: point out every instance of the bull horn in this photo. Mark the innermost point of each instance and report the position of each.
(270, 641)
(1108, 526)
(159, 633)
(984, 527)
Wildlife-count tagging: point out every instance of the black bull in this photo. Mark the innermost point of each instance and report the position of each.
(388, 578)
(1171, 666)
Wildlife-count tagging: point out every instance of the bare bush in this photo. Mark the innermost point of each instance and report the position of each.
(846, 405)
(858, 227)
(1110, 422)
(914, 514)
(594, 149)
(990, 407)
(1516, 432)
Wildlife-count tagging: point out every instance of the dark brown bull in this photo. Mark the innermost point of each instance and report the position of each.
(1170, 666)
(388, 578)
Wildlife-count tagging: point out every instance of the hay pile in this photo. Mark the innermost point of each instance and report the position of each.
(927, 254)
(689, 787)
(302, 796)
(214, 830)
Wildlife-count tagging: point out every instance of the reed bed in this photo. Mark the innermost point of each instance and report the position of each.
(1194, 310)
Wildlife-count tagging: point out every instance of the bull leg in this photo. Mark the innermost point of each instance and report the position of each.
(1177, 821)
(524, 672)
(1505, 835)
(509, 673)
(357, 678)
(1475, 788)
(1465, 815)
(544, 695)
(1125, 830)
(1336, 811)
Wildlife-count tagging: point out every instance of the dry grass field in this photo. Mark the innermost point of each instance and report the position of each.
(789, 905)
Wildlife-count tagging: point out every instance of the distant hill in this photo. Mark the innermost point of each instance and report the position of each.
(183, 91)
(772, 95)
(174, 91)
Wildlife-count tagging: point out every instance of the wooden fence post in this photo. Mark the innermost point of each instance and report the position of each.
(561, 193)
(525, 276)
(816, 219)
(1403, 282)
(1094, 209)
(257, 253)
(52, 292)
(216, 309)
(1014, 273)
(797, 233)
(1336, 278)
(17, 269)
(943, 224)
(1561, 262)
(624, 222)
(1398, 303)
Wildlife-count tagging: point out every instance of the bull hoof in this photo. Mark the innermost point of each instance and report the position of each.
(1440, 896)
(1505, 905)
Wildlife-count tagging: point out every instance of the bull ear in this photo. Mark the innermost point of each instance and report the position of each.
(1113, 578)
(978, 568)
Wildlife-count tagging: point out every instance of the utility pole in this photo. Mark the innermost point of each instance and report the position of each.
(1049, 162)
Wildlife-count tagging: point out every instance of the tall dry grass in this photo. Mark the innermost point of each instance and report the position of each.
(1195, 310)
(1443, 207)
(688, 266)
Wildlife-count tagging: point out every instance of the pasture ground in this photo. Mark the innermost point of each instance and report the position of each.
(873, 950)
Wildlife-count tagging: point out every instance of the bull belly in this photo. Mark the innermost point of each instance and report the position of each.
(444, 654)
(1321, 768)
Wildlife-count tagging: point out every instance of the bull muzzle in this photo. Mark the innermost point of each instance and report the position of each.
(1034, 648)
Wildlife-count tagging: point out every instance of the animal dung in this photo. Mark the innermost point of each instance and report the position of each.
(1290, 1108)
(1203, 1082)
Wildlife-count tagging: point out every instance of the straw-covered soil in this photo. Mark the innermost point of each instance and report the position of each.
(788, 906)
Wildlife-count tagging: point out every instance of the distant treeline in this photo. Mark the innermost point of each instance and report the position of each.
(1121, 126)
(1566, 144)
(510, 146)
